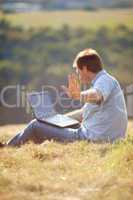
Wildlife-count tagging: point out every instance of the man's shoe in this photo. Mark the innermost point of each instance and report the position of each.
(2, 145)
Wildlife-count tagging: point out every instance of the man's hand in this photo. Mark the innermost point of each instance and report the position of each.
(73, 90)
(88, 96)
(76, 114)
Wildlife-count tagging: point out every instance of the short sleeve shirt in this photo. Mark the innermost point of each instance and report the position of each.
(107, 121)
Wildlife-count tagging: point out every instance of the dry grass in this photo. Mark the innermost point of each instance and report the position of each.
(56, 19)
(54, 171)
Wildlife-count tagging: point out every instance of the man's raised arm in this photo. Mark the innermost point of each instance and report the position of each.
(91, 96)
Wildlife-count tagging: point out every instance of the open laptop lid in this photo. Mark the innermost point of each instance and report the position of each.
(41, 104)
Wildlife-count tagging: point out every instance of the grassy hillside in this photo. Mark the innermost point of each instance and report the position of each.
(56, 19)
(78, 171)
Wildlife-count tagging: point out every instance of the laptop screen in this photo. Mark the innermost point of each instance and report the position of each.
(41, 104)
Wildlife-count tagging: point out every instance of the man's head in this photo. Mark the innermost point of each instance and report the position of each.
(87, 64)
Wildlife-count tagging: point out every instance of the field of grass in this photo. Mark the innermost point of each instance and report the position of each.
(55, 19)
(77, 171)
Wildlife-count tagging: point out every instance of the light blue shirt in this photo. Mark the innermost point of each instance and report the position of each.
(107, 121)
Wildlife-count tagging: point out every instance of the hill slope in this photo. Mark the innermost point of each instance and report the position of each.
(56, 19)
(74, 171)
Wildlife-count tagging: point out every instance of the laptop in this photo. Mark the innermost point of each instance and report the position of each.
(44, 110)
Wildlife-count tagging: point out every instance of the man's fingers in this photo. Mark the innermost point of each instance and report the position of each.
(76, 81)
(73, 81)
(70, 81)
(71, 84)
(78, 84)
(73, 89)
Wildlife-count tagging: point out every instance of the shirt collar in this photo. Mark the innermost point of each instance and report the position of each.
(98, 75)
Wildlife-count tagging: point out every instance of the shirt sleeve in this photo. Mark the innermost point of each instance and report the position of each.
(104, 85)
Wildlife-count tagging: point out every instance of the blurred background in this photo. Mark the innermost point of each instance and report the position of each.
(40, 38)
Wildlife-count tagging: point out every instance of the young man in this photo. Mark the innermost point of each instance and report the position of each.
(104, 116)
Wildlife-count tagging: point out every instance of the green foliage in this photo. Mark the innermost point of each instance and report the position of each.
(31, 56)
(61, 4)
(121, 4)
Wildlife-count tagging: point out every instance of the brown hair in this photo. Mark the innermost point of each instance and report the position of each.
(89, 58)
